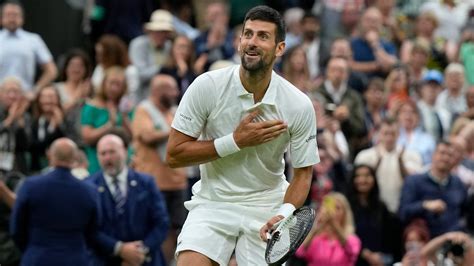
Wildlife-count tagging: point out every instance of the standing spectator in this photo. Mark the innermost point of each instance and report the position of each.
(216, 42)
(135, 221)
(111, 51)
(75, 88)
(149, 52)
(332, 241)
(435, 121)
(452, 98)
(378, 229)
(48, 125)
(372, 54)
(151, 126)
(55, 215)
(295, 68)
(102, 114)
(436, 196)
(412, 137)
(22, 51)
(14, 132)
(343, 103)
(392, 163)
(181, 65)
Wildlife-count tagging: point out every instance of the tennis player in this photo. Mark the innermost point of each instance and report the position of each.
(237, 122)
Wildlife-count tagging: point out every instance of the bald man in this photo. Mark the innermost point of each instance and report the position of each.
(151, 126)
(55, 215)
(135, 221)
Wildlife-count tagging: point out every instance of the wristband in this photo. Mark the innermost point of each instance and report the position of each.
(226, 145)
(286, 209)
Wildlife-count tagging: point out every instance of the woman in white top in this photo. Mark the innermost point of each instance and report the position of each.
(112, 51)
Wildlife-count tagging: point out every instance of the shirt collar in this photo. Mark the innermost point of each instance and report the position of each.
(270, 94)
(336, 95)
(121, 177)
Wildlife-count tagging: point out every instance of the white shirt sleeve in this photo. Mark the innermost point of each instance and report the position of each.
(195, 107)
(303, 146)
(42, 53)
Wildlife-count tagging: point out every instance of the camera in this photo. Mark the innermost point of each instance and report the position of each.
(455, 249)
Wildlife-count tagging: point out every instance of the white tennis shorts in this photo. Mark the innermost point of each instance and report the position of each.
(216, 229)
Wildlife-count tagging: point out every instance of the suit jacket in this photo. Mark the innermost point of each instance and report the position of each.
(54, 218)
(145, 218)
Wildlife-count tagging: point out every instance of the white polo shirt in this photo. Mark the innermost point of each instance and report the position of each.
(213, 106)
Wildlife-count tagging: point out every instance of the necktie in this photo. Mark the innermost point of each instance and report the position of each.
(119, 198)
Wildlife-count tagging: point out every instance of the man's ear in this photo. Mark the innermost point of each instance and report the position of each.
(280, 49)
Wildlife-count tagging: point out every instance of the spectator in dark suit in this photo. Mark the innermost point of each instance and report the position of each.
(55, 214)
(135, 220)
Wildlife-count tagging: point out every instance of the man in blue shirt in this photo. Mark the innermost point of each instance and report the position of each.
(22, 51)
(436, 196)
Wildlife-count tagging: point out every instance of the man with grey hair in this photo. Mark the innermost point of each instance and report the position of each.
(55, 215)
(452, 98)
(21, 51)
(135, 221)
(14, 134)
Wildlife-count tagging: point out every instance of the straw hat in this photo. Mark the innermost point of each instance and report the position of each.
(161, 20)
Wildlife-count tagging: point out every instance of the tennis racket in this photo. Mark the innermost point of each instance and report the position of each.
(289, 235)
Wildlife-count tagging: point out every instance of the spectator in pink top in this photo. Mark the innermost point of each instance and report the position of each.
(332, 241)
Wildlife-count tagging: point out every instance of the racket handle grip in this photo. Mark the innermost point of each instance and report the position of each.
(269, 236)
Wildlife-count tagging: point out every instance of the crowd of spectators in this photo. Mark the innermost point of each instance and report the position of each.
(392, 83)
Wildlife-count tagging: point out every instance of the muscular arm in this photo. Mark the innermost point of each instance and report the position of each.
(184, 150)
(299, 187)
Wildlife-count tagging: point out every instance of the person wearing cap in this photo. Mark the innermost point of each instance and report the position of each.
(150, 51)
(435, 120)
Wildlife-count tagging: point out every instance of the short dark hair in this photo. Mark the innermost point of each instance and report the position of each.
(12, 2)
(268, 14)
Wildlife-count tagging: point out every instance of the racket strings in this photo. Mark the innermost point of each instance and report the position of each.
(290, 234)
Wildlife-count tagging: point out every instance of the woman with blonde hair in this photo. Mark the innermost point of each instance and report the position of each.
(104, 114)
(332, 240)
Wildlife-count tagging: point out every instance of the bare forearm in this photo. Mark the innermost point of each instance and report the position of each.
(297, 192)
(49, 74)
(153, 137)
(191, 153)
(8, 196)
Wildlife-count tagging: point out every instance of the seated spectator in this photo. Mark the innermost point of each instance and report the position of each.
(295, 68)
(14, 130)
(74, 87)
(311, 43)
(150, 51)
(412, 137)
(22, 51)
(181, 64)
(452, 98)
(417, 63)
(48, 124)
(470, 103)
(373, 55)
(466, 52)
(435, 196)
(391, 162)
(375, 111)
(102, 114)
(378, 229)
(332, 240)
(111, 51)
(216, 42)
(342, 103)
(435, 121)
(396, 86)
(415, 237)
(436, 47)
